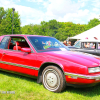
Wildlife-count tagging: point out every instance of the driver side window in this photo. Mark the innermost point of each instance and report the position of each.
(16, 43)
(4, 42)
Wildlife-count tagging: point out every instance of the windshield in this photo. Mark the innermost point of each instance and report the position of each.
(44, 44)
(77, 44)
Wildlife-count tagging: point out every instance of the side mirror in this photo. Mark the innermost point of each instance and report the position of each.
(28, 50)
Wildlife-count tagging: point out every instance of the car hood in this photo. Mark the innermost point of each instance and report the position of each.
(75, 57)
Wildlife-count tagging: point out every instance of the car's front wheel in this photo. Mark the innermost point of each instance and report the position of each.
(53, 79)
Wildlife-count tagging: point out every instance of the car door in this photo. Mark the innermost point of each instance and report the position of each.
(89, 47)
(3, 45)
(91, 51)
(18, 61)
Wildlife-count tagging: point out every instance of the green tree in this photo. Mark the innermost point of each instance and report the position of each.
(27, 29)
(2, 13)
(60, 30)
(32, 29)
(45, 28)
(54, 26)
(92, 23)
(6, 22)
(61, 34)
(50, 28)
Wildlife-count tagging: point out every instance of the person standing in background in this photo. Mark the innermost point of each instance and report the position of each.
(65, 43)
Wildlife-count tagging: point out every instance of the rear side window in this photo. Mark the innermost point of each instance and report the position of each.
(90, 45)
(4, 42)
(99, 46)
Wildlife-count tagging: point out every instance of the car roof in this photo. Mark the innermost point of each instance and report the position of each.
(24, 35)
(90, 40)
(21, 35)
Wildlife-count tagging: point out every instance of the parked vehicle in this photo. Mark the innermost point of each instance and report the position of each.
(87, 46)
(49, 61)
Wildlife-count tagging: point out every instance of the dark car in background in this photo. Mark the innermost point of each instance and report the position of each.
(87, 46)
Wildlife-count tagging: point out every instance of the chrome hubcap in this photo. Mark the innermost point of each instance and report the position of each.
(51, 79)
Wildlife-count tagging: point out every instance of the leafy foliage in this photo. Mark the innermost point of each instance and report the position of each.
(2, 13)
(59, 30)
(7, 20)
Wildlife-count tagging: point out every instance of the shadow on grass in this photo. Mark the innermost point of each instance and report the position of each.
(89, 91)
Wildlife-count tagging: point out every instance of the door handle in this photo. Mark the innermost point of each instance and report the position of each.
(4, 53)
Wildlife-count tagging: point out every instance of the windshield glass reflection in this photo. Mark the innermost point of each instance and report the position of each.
(44, 44)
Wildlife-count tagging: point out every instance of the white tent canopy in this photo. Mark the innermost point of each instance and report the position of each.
(89, 34)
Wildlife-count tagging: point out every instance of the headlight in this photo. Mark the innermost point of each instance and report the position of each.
(94, 69)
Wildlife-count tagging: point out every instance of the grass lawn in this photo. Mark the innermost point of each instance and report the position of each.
(27, 89)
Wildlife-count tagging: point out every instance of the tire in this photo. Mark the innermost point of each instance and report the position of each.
(53, 79)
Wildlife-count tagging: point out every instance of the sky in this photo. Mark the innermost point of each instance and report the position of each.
(35, 11)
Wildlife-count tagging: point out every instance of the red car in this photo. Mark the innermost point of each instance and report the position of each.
(49, 61)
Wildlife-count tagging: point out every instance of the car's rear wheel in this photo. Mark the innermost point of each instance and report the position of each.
(53, 79)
